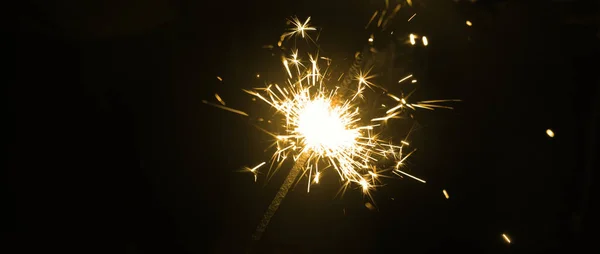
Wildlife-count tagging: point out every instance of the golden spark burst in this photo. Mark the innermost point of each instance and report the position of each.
(323, 125)
(300, 28)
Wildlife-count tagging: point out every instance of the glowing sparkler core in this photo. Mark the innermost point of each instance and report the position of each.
(325, 128)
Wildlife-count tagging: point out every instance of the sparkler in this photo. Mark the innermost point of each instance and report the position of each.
(324, 126)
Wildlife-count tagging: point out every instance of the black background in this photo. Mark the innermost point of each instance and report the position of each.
(111, 150)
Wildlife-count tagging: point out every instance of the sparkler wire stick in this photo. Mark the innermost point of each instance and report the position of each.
(283, 190)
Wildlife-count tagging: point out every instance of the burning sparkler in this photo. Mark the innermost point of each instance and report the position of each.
(324, 125)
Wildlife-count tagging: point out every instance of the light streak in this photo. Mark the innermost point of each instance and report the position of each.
(372, 18)
(446, 194)
(257, 166)
(225, 108)
(425, 41)
(411, 17)
(409, 175)
(506, 238)
(219, 99)
(550, 133)
(469, 23)
(405, 78)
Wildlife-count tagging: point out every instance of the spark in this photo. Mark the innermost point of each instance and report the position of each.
(446, 194)
(405, 78)
(412, 39)
(219, 99)
(550, 133)
(300, 28)
(413, 81)
(257, 166)
(257, 75)
(411, 176)
(225, 108)
(381, 18)
(385, 118)
(364, 79)
(425, 41)
(372, 18)
(254, 170)
(219, 78)
(365, 185)
(373, 175)
(370, 206)
(506, 238)
(411, 17)
(469, 23)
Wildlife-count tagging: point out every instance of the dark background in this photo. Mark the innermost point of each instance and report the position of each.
(110, 149)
